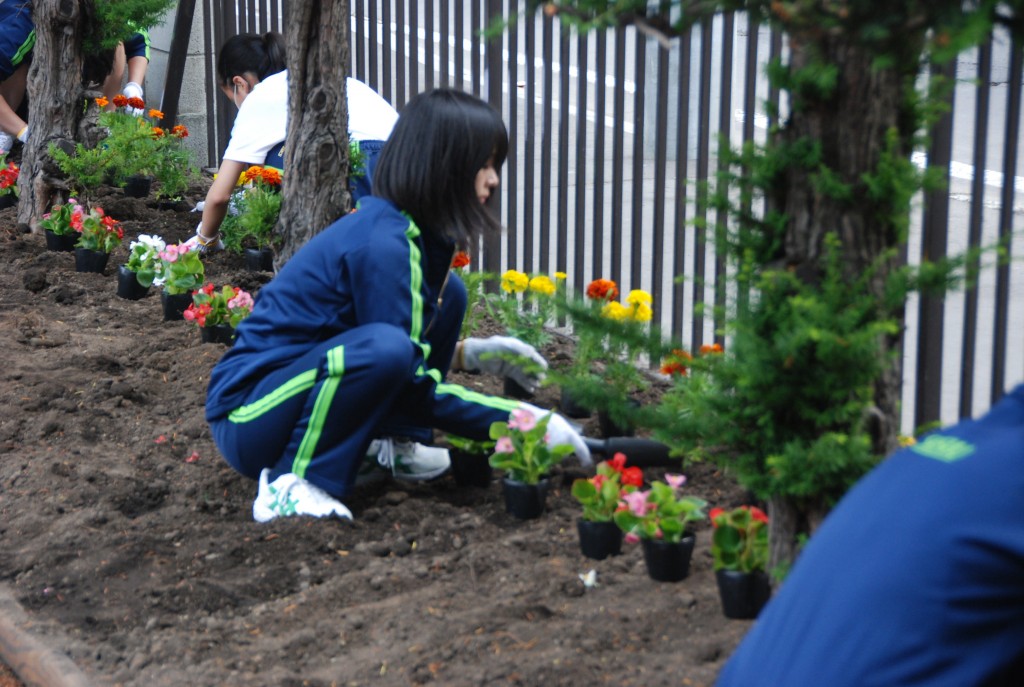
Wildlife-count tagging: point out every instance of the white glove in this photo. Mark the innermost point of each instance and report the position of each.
(561, 432)
(133, 90)
(494, 356)
(203, 244)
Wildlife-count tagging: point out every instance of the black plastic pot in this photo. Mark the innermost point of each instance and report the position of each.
(259, 259)
(514, 389)
(525, 501)
(570, 408)
(599, 540)
(743, 594)
(471, 469)
(128, 285)
(668, 561)
(8, 201)
(218, 333)
(138, 186)
(61, 242)
(89, 260)
(611, 428)
(175, 305)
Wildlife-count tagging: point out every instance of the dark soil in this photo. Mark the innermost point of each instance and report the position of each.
(131, 545)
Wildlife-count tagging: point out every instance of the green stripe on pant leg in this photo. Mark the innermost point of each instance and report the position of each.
(321, 407)
(296, 385)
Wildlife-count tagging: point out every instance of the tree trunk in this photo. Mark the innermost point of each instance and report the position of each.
(54, 95)
(788, 519)
(316, 152)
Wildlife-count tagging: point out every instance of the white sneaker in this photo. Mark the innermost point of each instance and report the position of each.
(6, 142)
(290, 495)
(409, 460)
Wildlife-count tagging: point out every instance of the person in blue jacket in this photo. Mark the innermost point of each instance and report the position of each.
(17, 39)
(355, 334)
(915, 578)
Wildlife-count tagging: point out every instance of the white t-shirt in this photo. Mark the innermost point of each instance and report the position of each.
(262, 120)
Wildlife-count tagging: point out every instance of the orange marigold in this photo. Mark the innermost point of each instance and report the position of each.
(102, 102)
(675, 364)
(461, 259)
(602, 290)
(180, 131)
(156, 114)
(270, 176)
(120, 100)
(137, 103)
(711, 348)
(158, 132)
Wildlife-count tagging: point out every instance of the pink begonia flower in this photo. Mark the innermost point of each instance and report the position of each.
(242, 300)
(504, 445)
(523, 420)
(675, 481)
(637, 502)
(170, 254)
(631, 538)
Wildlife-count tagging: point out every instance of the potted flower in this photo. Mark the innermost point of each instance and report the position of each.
(600, 496)
(218, 312)
(739, 546)
(470, 466)
(659, 519)
(8, 183)
(98, 234)
(521, 451)
(249, 228)
(60, 235)
(144, 264)
(181, 272)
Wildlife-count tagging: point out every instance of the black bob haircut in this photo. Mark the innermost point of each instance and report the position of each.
(262, 55)
(429, 164)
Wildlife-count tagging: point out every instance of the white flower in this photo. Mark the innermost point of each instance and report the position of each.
(589, 579)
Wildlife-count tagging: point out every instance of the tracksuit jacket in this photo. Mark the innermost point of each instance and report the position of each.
(350, 340)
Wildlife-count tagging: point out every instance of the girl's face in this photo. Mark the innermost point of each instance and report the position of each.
(486, 181)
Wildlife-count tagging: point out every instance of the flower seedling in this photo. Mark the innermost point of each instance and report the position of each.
(521, 448)
(740, 539)
(602, 494)
(97, 230)
(660, 513)
(210, 307)
(144, 258)
(181, 269)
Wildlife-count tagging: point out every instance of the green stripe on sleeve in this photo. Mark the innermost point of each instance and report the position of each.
(496, 402)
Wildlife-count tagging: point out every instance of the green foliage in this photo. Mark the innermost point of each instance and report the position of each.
(661, 513)
(144, 258)
(521, 450)
(96, 229)
(740, 539)
(181, 270)
(254, 210)
(118, 20)
(58, 219)
(86, 169)
(473, 446)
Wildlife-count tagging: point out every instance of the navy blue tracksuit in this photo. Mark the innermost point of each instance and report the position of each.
(350, 341)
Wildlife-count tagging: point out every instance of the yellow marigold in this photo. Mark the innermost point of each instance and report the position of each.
(639, 297)
(514, 281)
(156, 114)
(542, 284)
(102, 102)
(614, 310)
(642, 312)
(561, 276)
(905, 440)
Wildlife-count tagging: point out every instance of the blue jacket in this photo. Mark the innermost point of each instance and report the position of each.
(915, 578)
(372, 266)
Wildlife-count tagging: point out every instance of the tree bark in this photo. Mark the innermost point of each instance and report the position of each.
(54, 93)
(316, 151)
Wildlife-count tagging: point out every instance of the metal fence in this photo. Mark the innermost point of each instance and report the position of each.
(611, 135)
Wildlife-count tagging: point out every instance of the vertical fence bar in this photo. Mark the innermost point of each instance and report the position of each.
(749, 115)
(209, 73)
(1002, 305)
(444, 32)
(474, 42)
(774, 53)
(371, 39)
(530, 31)
(459, 47)
(430, 54)
(660, 174)
(636, 230)
(618, 153)
(512, 166)
(703, 163)
(546, 133)
(581, 234)
(561, 261)
(935, 225)
(359, 63)
(387, 73)
(600, 107)
(403, 65)
(494, 63)
(724, 129)
(682, 167)
(176, 61)
(414, 48)
(981, 105)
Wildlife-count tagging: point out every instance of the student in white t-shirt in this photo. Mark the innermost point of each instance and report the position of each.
(251, 73)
